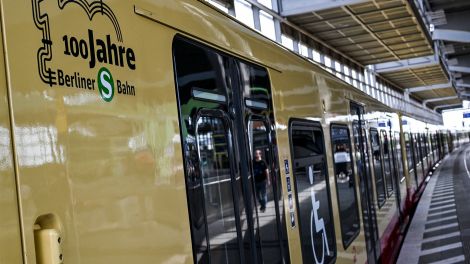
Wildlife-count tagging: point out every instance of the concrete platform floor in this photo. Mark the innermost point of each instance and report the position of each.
(440, 228)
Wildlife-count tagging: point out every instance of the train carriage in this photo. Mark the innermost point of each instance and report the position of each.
(165, 132)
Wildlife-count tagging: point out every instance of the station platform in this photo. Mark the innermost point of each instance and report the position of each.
(440, 228)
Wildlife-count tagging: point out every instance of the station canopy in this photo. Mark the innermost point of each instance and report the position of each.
(392, 36)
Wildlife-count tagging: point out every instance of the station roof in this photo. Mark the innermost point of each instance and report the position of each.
(370, 32)
(390, 35)
(420, 47)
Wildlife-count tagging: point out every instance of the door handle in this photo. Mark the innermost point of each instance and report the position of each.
(48, 240)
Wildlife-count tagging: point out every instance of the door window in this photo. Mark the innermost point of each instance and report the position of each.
(216, 180)
(264, 184)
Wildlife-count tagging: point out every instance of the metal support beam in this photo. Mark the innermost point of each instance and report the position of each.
(256, 18)
(462, 84)
(297, 7)
(459, 69)
(429, 87)
(451, 35)
(447, 106)
(412, 63)
(439, 99)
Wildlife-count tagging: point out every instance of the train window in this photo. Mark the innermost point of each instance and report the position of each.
(316, 224)
(424, 154)
(378, 170)
(418, 158)
(202, 73)
(388, 162)
(345, 183)
(399, 157)
(410, 157)
(408, 151)
(255, 86)
(214, 153)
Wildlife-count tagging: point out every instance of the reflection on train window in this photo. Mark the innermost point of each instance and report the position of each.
(378, 170)
(423, 147)
(264, 184)
(399, 158)
(410, 159)
(388, 163)
(424, 153)
(255, 86)
(201, 74)
(216, 178)
(418, 158)
(316, 225)
(345, 183)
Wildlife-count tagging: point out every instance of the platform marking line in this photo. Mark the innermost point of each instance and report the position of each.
(441, 207)
(441, 191)
(441, 202)
(444, 192)
(450, 260)
(445, 197)
(441, 219)
(442, 195)
(440, 227)
(441, 248)
(441, 237)
(447, 181)
(442, 212)
(444, 186)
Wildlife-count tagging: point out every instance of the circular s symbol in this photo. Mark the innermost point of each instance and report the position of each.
(106, 84)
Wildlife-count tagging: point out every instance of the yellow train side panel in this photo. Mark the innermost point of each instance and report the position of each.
(102, 169)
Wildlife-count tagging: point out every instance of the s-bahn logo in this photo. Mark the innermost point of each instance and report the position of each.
(96, 51)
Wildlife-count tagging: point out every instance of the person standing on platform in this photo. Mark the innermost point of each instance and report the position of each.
(261, 175)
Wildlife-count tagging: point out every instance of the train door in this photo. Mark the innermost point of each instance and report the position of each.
(232, 179)
(312, 192)
(365, 184)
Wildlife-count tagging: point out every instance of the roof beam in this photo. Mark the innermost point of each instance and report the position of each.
(439, 99)
(459, 69)
(451, 35)
(462, 84)
(298, 7)
(448, 106)
(413, 63)
(429, 87)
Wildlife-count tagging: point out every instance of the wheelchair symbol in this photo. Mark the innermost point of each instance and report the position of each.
(319, 223)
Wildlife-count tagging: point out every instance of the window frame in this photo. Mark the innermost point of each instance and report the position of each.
(347, 243)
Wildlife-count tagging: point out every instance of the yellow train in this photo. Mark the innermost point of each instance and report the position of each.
(165, 132)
